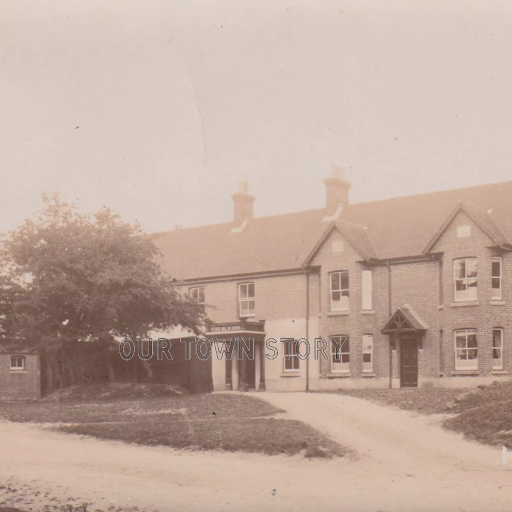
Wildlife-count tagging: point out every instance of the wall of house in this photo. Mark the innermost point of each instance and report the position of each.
(483, 314)
(353, 323)
(20, 384)
(279, 300)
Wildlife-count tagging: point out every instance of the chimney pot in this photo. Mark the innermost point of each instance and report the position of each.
(243, 204)
(336, 190)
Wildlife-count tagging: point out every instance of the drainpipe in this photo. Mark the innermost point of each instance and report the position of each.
(389, 316)
(307, 328)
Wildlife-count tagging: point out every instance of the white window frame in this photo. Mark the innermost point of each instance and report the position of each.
(496, 295)
(459, 295)
(290, 356)
(195, 290)
(368, 350)
(497, 349)
(343, 292)
(342, 352)
(367, 289)
(244, 297)
(466, 350)
(17, 367)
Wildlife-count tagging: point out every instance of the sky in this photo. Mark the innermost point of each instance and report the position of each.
(157, 108)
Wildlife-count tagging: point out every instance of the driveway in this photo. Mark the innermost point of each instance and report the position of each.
(404, 463)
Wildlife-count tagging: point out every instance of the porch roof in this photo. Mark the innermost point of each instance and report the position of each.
(405, 320)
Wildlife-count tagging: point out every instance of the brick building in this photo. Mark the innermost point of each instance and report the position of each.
(20, 376)
(409, 291)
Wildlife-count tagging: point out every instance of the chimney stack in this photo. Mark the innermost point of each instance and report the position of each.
(336, 190)
(242, 204)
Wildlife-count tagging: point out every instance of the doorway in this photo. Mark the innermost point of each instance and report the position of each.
(409, 362)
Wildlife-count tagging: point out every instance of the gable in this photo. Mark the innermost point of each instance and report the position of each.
(461, 231)
(334, 247)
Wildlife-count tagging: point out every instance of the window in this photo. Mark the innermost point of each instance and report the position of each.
(246, 299)
(339, 291)
(367, 353)
(466, 350)
(465, 276)
(367, 285)
(197, 294)
(291, 359)
(463, 231)
(340, 354)
(497, 349)
(496, 278)
(17, 363)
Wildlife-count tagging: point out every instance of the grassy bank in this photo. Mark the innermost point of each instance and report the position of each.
(483, 414)
(224, 422)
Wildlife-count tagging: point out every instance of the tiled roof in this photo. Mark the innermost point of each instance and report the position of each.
(389, 228)
(16, 346)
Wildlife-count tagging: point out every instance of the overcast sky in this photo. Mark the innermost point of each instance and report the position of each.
(157, 108)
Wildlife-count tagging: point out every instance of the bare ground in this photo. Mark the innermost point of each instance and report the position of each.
(405, 462)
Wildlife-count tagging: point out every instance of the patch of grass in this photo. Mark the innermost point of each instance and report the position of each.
(424, 400)
(483, 414)
(111, 392)
(225, 422)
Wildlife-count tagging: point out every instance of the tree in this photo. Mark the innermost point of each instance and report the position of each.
(70, 278)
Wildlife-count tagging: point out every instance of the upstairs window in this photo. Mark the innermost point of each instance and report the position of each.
(340, 353)
(367, 289)
(466, 350)
(17, 363)
(496, 278)
(367, 353)
(197, 294)
(465, 276)
(291, 359)
(339, 291)
(246, 299)
(497, 349)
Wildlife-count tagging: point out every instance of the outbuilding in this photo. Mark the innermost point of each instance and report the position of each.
(20, 372)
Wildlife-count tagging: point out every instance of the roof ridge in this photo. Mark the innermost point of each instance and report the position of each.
(482, 185)
(231, 222)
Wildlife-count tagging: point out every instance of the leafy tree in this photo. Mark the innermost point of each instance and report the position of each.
(69, 278)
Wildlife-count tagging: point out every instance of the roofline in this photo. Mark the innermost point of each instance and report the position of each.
(237, 277)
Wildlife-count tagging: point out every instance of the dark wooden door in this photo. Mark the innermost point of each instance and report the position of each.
(409, 363)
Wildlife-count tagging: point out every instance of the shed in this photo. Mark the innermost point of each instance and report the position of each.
(20, 371)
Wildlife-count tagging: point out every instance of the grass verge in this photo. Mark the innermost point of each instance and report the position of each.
(225, 422)
(483, 414)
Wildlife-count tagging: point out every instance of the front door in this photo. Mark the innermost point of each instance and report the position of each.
(409, 363)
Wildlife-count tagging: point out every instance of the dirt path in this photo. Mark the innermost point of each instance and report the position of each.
(405, 463)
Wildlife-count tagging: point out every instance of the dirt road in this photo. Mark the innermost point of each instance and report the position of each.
(404, 463)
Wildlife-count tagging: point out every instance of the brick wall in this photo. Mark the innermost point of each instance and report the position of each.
(20, 384)
(485, 313)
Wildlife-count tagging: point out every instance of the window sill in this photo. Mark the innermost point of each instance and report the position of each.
(498, 303)
(290, 374)
(462, 304)
(338, 313)
(340, 375)
(369, 375)
(368, 312)
(17, 371)
(465, 372)
(500, 372)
